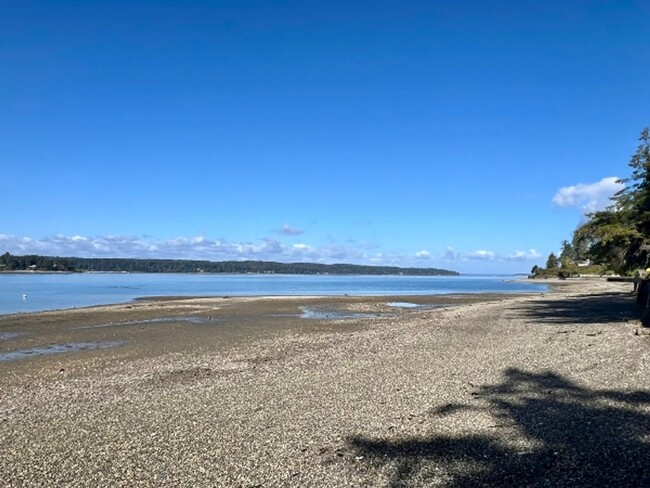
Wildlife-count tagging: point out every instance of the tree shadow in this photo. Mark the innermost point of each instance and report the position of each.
(587, 309)
(548, 432)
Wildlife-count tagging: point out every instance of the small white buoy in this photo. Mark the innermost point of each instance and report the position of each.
(24, 296)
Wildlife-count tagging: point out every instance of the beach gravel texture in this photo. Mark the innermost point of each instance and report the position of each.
(541, 390)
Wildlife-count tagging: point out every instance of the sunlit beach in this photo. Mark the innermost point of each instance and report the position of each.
(324, 244)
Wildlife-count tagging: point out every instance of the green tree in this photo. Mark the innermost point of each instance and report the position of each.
(567, 255)
(552, 262)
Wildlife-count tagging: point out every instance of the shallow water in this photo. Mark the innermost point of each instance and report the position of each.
(403, 305)
(56, 349)
(162, 320)
(58, 291)
(5, 336)
(327, 313)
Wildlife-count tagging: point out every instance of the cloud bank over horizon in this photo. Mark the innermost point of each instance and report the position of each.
(489, 256)
(266, 249)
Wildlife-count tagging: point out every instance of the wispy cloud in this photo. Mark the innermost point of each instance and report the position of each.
(287, 230)
(588, 197)
(449, 255)
(423, 254)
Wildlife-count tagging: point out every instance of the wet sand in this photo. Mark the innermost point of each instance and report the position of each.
(162, 325)
(484, 390)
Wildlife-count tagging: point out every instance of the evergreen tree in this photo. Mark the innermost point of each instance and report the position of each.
(567, 255)
(552, 262)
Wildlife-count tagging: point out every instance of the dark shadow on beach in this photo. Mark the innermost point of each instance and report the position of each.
(568, 436)
(587, 309)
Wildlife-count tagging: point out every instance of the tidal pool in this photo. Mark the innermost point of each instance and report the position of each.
(56, 349)
(4, 336)
(162, 320)
(325, 313)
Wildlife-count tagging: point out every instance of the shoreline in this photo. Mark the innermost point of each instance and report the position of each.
(39, 297)
(549, 282)
(177, 298)
(482, 390)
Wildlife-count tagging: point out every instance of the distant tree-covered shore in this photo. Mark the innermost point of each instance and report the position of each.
(9, 262)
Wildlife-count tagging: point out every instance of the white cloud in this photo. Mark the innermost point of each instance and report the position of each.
(423, 254)
(181, 248)
(487, 256)
(588, 197)
(482, 255)
(270, 246)
(524, 255)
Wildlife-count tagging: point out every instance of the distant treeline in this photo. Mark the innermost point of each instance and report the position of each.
(9, 262)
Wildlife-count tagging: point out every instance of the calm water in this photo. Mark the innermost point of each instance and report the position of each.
(35, 292)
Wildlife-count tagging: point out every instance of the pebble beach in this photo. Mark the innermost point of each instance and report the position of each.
(547, 389)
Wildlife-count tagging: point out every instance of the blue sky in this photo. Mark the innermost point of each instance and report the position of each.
(466, 135)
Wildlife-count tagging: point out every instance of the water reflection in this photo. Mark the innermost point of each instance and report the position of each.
(5, 336)
(57, 349)
(328, 313)
(162, 320)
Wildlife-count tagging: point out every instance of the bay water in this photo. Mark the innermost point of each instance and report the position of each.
(27, 292)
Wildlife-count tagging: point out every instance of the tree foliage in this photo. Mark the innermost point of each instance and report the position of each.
(9, 262)
(552, 262)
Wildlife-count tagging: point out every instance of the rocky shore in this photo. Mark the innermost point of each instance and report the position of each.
(538, 390)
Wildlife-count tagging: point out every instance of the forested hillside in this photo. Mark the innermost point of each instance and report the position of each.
(10, 262)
